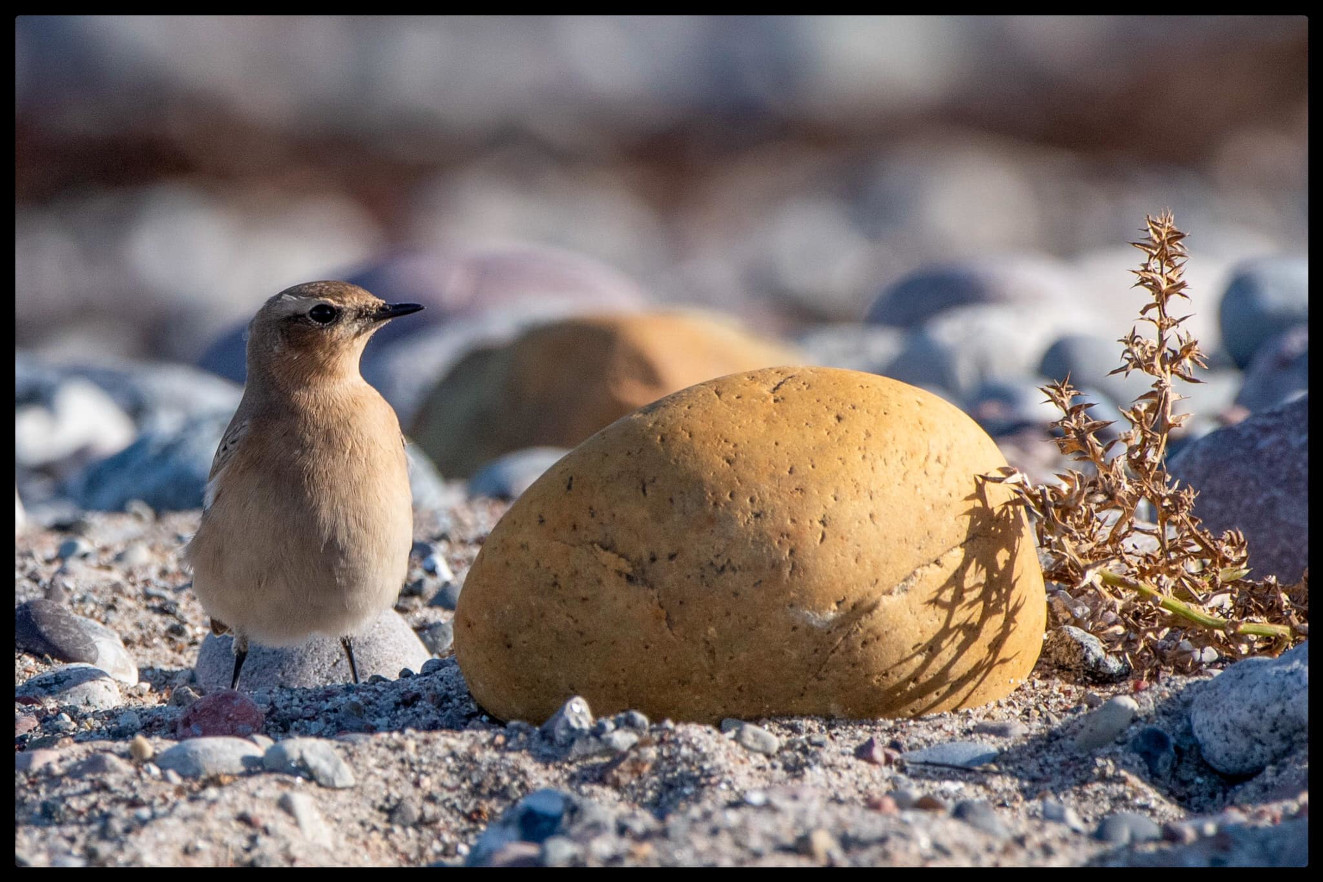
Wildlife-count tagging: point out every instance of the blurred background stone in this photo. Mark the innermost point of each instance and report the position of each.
(1265, 298)
(1279, 371)
(559, 383)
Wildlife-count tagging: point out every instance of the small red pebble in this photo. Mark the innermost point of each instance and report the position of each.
(1138, 685)
(221, 713)
(871, 752)
(884, 804)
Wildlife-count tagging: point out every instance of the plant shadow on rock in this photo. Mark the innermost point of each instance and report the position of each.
(981, 609)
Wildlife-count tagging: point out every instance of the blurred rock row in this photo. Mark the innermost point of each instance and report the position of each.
(174, 171)
(522, 353)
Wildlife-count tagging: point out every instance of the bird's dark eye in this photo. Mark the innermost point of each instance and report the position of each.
(323, 314)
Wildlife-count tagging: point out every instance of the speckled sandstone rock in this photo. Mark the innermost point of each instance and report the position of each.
(782, 541)
(560, 382)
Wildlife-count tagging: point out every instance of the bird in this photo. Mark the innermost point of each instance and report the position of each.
(307, 518)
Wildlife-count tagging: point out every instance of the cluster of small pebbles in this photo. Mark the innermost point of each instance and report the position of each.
(407, 769)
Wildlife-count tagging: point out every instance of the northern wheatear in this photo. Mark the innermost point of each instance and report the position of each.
(308, 519)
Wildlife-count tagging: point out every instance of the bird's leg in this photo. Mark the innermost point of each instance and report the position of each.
(240, 653)
(349, 654)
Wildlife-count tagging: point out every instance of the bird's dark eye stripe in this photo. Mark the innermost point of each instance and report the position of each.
(323, 314)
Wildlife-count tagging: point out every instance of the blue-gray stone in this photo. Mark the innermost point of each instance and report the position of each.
(1264, 298)
(926, 292)
(1155, 747)
(1088, 360)
(166, 468)
(570, 722)
(1279, 372)
(508, 476)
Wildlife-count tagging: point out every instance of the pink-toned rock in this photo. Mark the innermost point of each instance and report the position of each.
(221, 713)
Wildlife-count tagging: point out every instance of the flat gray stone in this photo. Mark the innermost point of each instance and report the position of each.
(220, 755)
(382, 648)
(965, 754)
(77, 685)
(1103, 725)
(313, 758)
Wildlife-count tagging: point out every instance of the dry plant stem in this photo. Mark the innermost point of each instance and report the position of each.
(1171, 604)
(1169, 575)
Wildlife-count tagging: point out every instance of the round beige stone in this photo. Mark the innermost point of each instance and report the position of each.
(560, 382)
(799, 540)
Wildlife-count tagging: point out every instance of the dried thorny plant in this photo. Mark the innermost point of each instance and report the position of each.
(1160, 594)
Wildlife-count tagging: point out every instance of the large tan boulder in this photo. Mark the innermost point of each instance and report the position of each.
(794, 540)
(559, 383)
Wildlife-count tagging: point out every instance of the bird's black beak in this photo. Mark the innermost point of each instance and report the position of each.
(395, 310)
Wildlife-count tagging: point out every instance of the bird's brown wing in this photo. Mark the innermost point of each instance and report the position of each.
(234, 434)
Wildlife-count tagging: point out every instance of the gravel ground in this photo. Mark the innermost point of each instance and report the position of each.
(435, 781)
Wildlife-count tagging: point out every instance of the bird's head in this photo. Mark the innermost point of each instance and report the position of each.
(316, 329)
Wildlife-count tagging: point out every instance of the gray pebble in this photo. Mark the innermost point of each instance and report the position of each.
(1001, 728)
(1126, 827)
(620, 740)
(757, 739)
(981, 815)
(1102, 726)
(135, 555)
(405, 813)
(313, 758)
(127, 724)
(435, 565)
(1062, 814)
(1264, 297)
(569, 723)
(303, 808)
(1279, 372)
(1254, 713)
(200, 757)
(966, 754)
(438, 637)
(65, 418)
(382, 647)
(101, 765)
